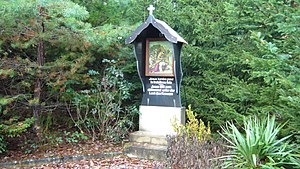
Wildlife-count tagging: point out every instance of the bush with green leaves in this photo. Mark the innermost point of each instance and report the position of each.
(100, 112)
(2, 144)
(11, 125)
(12, 128)
(242, 58)
(256, 145)
(44, 46)
(194, 127)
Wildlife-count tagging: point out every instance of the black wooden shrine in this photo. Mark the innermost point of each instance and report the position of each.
(157, 49)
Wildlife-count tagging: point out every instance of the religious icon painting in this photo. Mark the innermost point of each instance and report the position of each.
(159, 57)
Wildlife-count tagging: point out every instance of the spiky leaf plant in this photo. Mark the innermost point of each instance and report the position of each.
(257, 145)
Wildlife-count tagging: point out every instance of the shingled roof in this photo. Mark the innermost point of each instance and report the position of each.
(164, 28)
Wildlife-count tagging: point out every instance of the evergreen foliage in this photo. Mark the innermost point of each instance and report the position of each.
(242, 59)
(70, 45)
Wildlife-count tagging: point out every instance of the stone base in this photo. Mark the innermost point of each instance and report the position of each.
(146, 151)
(155, 123)
(159, 119)
(147, 137)
(146, 145)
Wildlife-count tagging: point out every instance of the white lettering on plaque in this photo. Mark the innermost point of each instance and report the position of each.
(161, 87)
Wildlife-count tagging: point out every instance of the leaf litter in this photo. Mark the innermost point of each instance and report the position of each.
(88, 147)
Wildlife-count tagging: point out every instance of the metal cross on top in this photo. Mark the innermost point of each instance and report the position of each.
(151, 9)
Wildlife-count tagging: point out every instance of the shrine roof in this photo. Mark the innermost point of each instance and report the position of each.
(170, 34)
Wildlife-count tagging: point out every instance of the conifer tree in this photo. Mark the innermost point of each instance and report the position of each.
(29, 31)
(242, 57)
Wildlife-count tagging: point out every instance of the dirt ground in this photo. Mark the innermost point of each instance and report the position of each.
(87, 147)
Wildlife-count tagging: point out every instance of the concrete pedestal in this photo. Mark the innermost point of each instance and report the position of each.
(146, 145)
(155, 123)
(159, 119)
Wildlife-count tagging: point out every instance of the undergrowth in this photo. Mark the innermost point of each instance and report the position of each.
(193, 146)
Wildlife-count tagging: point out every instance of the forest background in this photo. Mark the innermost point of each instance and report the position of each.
(64, 64)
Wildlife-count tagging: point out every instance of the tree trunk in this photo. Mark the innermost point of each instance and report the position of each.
(36, 108)
(38, 87)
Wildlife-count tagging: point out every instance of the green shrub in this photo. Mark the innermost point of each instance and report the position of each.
(242, 58)
(11, 125)
(2, 144)
(99, 109)
(257, 145)
(194, 127)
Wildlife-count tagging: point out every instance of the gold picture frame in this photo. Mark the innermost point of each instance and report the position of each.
(159, 57)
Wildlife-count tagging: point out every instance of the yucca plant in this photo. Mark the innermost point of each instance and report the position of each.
(258, 146)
